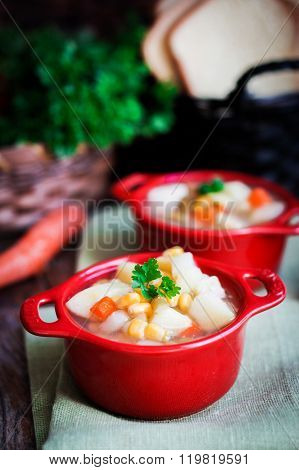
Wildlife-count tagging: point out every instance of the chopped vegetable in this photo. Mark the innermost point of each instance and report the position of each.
(81, 303)
(164, 263)
(113, 310)
(114, 322)
(267, 212)
(170, 319)
(204, 213)
(210, 312)
(155, 332)
(103, 308)
(259, 197)
(136, 328)
(140, 308)
(174, 251)
(185, 301)
(221, 205)
(192, 332)
(124, 271)
(128, 299)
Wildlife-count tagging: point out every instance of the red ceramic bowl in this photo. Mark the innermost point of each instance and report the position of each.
(256, 246)
(155, 382)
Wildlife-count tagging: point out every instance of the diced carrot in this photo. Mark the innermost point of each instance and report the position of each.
(103, 308)
(204, 213)
(191, 332)
(259, 197)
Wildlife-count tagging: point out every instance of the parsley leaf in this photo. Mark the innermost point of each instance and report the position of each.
(168, 288)
(105, 83)
(142, 276)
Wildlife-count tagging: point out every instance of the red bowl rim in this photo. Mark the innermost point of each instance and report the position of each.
(234, 276)
(137, 198)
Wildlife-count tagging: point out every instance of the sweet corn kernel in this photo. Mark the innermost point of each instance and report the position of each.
(155, 332)
(173, 301)
(164, 263)
(184, 302)
(142, 316)
(128, 299)
(203, 200)
(142, 299)
(174, 251)
(136, 328)
(138, 308)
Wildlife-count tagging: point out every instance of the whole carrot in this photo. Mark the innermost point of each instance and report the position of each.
(36, 248)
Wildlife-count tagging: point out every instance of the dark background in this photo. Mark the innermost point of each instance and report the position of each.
(255, 136)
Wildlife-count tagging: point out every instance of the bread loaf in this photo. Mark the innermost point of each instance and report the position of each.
(216, 41)
(163, 5)
(155, 47)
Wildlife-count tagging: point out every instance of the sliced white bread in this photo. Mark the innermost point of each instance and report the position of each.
(215, 42)
(155, 48)
(163, 5)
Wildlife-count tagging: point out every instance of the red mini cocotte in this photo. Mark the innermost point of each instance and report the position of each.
(256, 246)
(154, 382)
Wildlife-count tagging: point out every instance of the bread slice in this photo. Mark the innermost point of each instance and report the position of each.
(216, 41)
(155, 49)
(163, 5)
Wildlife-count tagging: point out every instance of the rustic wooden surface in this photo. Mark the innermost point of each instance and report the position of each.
(16, 424)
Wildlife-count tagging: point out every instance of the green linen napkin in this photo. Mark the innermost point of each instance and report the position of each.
(261, 411)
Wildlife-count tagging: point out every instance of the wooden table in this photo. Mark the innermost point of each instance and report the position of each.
(16, 424)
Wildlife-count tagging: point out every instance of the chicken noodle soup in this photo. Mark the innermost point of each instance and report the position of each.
(165, 300)
(215, 204)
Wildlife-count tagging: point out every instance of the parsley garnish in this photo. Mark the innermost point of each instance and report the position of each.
(168, 288)
(143, 275)
(215, 186)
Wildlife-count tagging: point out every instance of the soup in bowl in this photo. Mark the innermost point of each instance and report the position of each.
(225, 216)
(215, 204)
(166, 300)
(170, 360)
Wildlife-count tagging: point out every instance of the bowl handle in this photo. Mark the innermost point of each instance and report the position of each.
(33, 323)
(281, 226)
(276, 290)
(125, 188)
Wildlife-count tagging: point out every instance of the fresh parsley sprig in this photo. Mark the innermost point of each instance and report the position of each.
(143, 275)
(104, 82)
(168, 288)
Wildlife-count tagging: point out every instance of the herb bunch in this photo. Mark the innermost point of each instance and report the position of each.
(144, 274)
(83, 89)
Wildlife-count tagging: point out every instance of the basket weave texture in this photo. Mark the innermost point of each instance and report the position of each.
(32, 182)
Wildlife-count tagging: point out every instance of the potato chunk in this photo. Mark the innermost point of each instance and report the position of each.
(124, 272)
(210, 312)
(185, 272)
(170, 319)
(114, 322)
(81, 303)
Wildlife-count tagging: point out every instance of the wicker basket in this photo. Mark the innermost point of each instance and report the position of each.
(32, 182)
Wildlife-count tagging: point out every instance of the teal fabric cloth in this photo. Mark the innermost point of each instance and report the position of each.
(261, 411)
